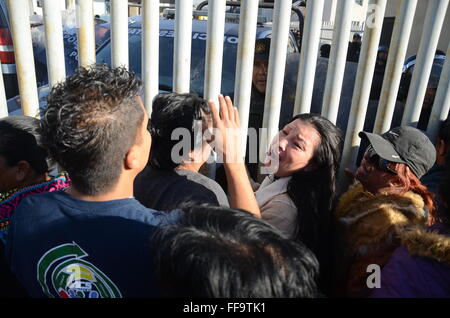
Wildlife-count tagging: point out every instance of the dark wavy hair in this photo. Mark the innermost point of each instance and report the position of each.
(20, 139)
(313, 191)
(169, 112)
(227, 253)
(90, 123)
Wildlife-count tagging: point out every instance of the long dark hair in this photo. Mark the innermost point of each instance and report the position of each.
(313, 191)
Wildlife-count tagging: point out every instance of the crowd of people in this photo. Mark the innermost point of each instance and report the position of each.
(100, 201)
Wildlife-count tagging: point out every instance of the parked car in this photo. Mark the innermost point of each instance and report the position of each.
(166, 48)
(198, 52)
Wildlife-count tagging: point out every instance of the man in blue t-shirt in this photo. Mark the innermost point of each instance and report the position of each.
(92, 240)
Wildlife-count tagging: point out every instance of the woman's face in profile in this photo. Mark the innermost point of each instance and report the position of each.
(294, 147)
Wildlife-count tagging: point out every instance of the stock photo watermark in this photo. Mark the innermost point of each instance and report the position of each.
(228, 146)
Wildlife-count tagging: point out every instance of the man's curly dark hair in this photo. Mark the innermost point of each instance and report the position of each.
(90, 123)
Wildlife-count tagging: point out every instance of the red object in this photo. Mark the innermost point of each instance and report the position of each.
(6, 47)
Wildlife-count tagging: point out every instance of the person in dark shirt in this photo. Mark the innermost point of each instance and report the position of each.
(171, 180)
(437, 174)
(92, 240)
(378, 75)
(25, 169)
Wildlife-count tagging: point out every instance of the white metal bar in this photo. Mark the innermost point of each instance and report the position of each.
(119, 33)
(56, 66)
(214, 49)
(308, 57)
(23, 51)
(182, 47)
(397, 52)
(244, 63)
(70, 4)
(275, 76)
(86, 36)
(434, 20)
(441, 103)
(150, 52)
(3, 104)
(363, 85)
(336, 62)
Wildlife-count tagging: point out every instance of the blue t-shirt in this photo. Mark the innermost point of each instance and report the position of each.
(59, 246)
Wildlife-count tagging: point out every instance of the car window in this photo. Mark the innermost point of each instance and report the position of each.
(166, 47)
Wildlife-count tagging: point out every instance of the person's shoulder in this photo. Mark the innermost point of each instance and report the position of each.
(202, 179)
(39, 199)
(205, 185)
(136, 211)
(197, 179)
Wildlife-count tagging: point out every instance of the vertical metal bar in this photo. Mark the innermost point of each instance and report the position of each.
(86, 36)
(56, 66)
(3, 104)
(70, 4)
(119, 33)
(30, 7)
(441, 104)
(214, 49)
(392, 77)
(275, 76)
(182, 49)
(308, 58)
(23, 51)
(363, 84)
(150, 52)
(434, 20)
(336, 62)
(244, 63)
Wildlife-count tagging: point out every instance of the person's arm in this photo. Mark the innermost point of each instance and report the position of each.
(226, 123)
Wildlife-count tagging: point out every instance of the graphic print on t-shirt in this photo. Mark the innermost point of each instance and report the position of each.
(62, 272)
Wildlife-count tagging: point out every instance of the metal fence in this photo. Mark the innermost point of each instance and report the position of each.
(342, 28)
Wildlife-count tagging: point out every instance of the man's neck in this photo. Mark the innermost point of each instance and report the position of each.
(116, 194)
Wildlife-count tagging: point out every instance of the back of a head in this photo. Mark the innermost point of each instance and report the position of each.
(20, 139)
(90, 123)
(173, 112)
(221, 252)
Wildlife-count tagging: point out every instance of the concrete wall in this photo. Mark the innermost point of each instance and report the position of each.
(360, 11)
(329, 10)
(419, 18)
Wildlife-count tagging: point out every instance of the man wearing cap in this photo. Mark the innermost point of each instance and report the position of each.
(259, 82)
(386, 200)
(354, 48)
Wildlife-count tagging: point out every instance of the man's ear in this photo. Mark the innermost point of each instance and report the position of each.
(23, 170)
(132, 159)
